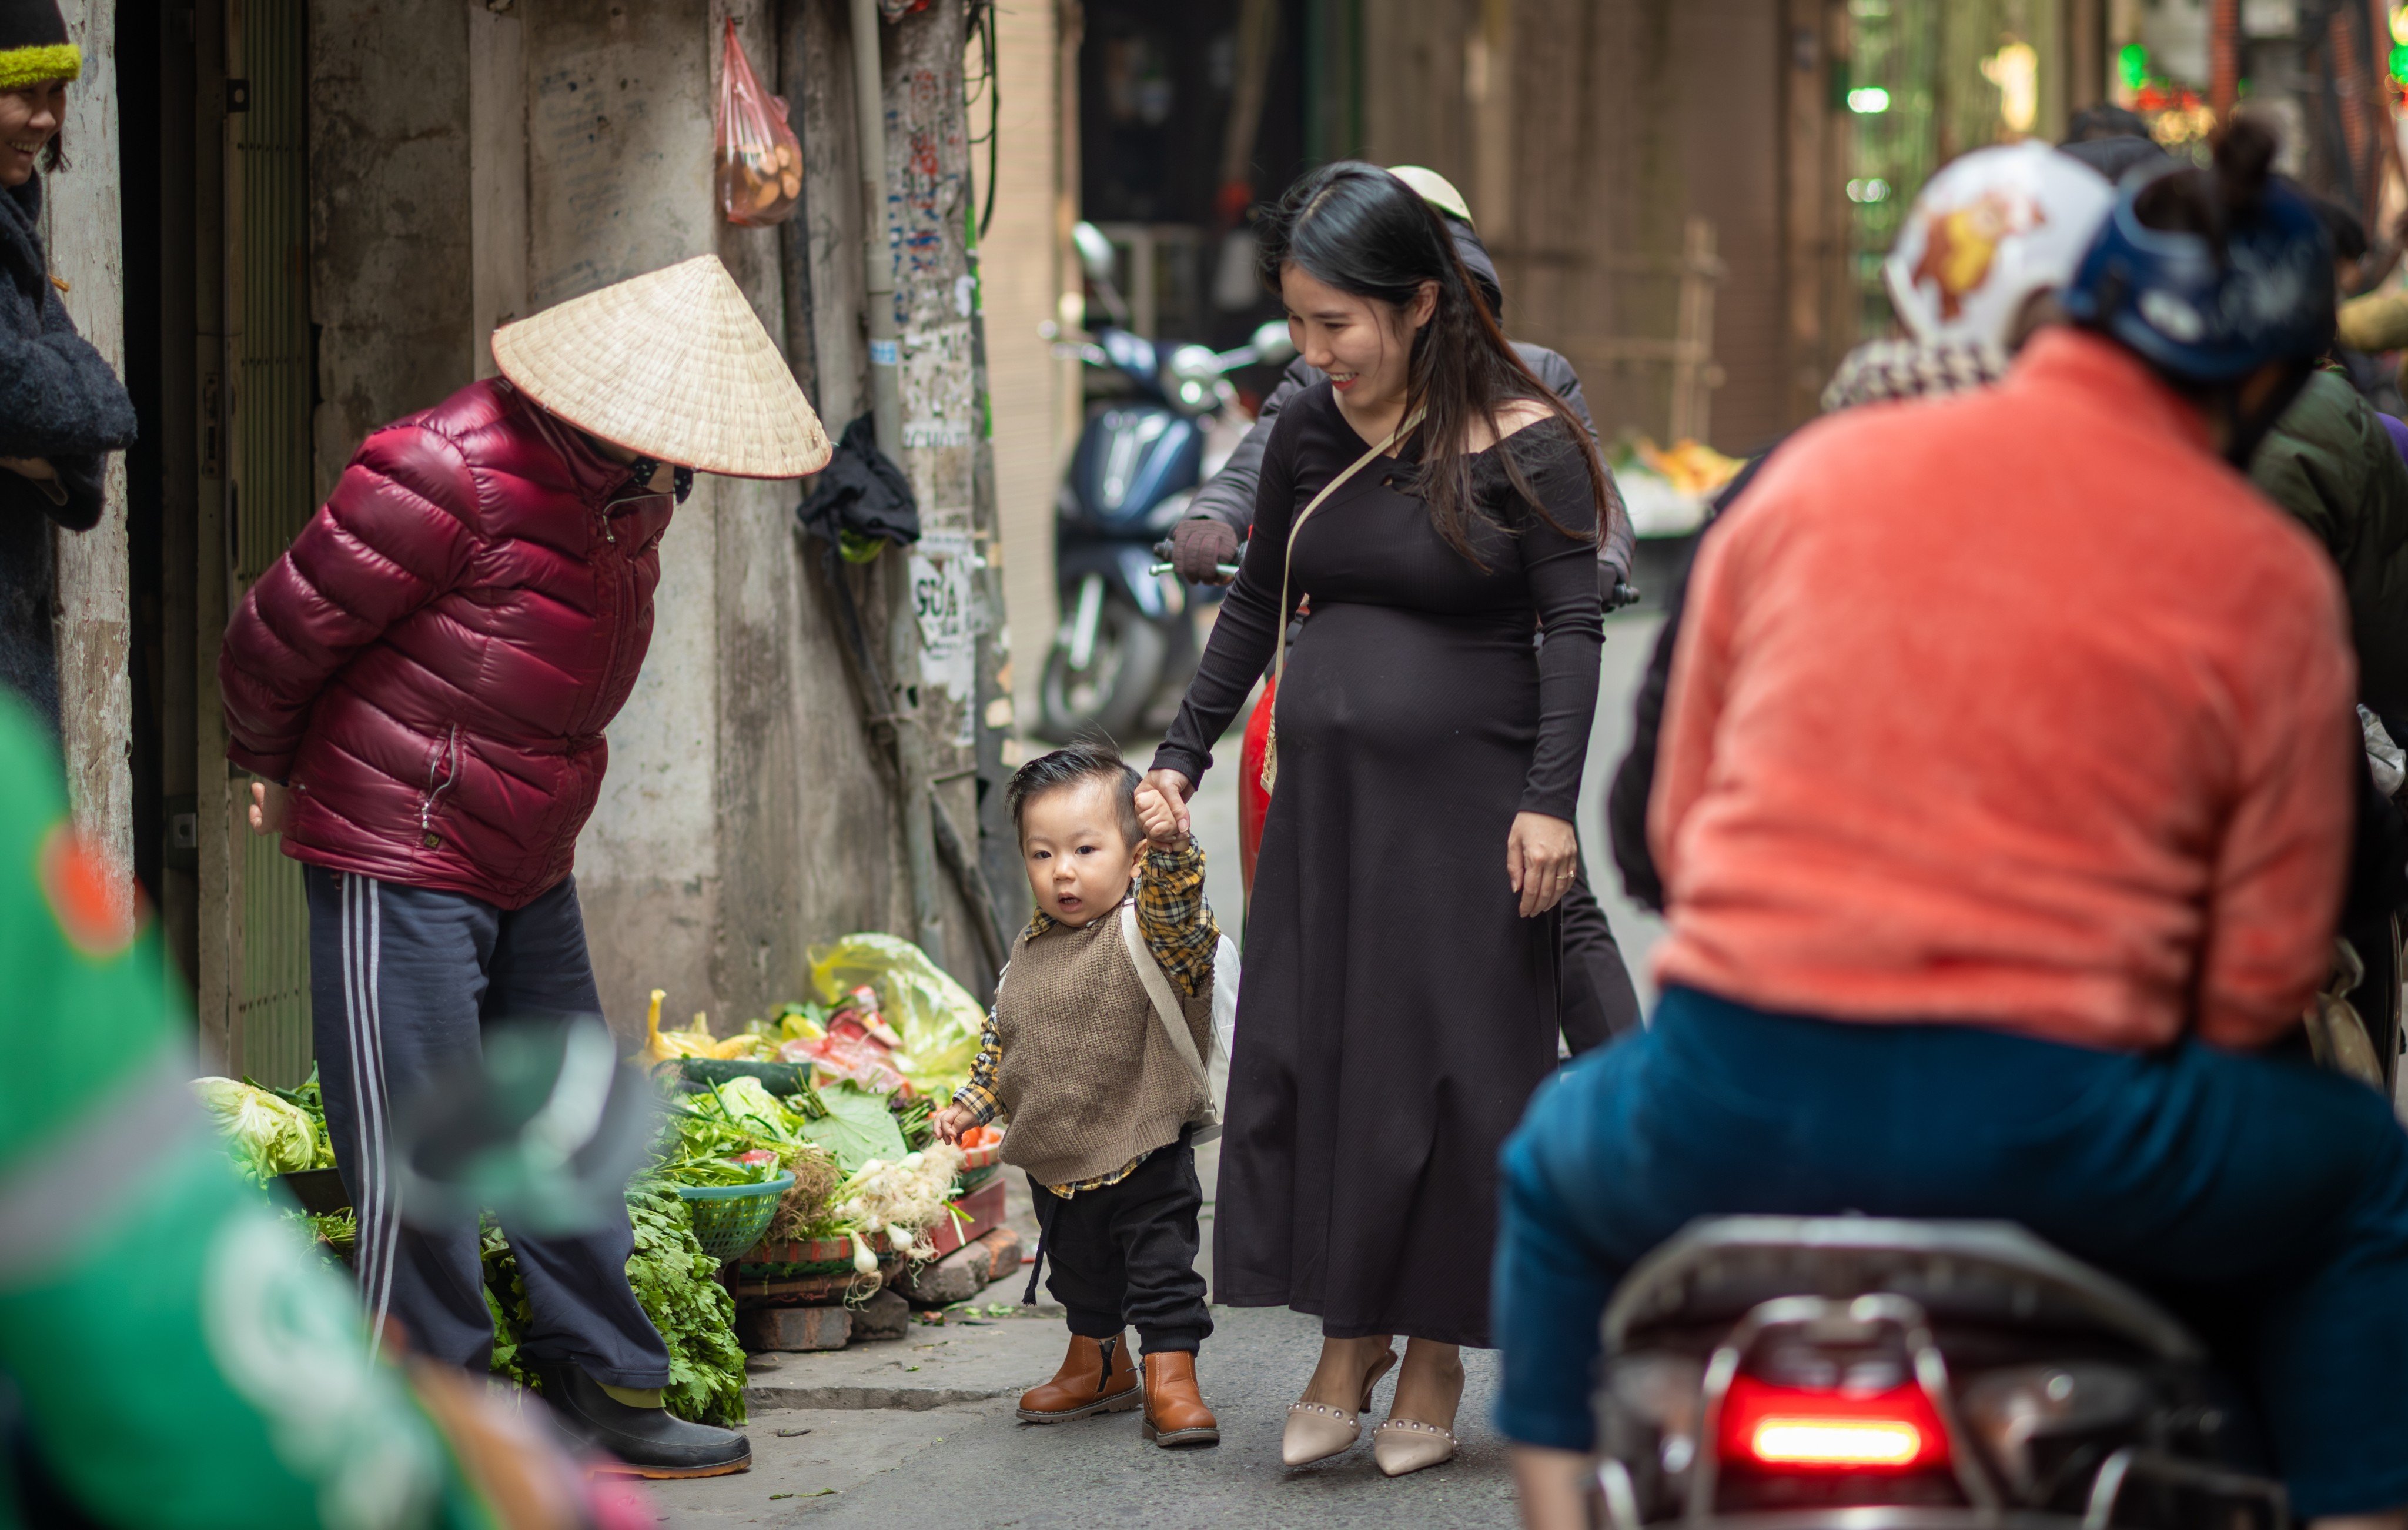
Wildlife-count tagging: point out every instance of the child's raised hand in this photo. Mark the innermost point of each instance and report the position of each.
(1160, 818)
(952, 1121)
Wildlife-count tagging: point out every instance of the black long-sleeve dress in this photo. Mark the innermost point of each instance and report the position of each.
(1396, 1010)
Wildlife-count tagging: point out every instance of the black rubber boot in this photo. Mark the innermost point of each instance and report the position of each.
(647, 1441)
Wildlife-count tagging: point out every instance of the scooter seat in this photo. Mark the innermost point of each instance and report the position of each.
(1717, 1269)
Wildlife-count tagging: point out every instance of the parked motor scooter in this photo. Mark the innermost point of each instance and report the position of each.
(1816, 1373)
(1127, 634)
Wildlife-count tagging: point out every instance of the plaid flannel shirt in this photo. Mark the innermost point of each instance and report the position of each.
(1180, 930)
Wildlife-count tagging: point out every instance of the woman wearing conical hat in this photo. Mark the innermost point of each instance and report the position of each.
(421, 684)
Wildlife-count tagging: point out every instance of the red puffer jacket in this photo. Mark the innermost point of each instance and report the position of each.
(431, 664)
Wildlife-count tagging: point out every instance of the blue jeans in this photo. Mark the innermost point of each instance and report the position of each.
(2263, 1199)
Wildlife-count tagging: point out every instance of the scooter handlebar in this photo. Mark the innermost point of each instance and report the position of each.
(1162, 551)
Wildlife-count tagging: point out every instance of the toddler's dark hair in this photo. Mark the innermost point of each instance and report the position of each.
(1068, 767)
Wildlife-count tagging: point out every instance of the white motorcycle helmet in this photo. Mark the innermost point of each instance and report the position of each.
(1988, 231)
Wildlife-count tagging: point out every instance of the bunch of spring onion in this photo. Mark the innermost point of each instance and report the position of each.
(900, 1199)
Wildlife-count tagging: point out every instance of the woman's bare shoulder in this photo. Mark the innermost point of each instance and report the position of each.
(1512, 417)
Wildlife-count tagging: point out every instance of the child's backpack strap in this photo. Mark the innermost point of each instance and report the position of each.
(1174, 1020)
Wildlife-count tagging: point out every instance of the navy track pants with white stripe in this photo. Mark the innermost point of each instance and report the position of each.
(402, 982)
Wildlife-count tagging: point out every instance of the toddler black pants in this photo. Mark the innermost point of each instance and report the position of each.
(1124, 1255)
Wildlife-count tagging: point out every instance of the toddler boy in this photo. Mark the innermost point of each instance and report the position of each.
(1102, 1100)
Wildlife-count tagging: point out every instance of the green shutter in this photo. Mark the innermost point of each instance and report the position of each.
(273, 489)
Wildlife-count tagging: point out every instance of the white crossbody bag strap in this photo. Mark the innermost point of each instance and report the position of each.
(1174, 1020)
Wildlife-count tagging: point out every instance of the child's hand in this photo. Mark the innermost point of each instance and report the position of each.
(952, 1121)
(1160, 818)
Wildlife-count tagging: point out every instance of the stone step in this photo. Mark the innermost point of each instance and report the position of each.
(966, 1272)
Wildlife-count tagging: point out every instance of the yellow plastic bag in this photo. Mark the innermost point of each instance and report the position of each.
(935, 1018)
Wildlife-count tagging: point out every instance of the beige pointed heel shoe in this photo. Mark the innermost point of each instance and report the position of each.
(1317, 1432)
(1402, 1446)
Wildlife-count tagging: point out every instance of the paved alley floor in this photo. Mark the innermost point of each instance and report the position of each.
(971, 1464)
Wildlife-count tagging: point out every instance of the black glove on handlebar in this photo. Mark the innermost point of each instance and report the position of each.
(1199, 546)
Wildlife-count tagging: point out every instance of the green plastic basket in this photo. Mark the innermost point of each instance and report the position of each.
(730, 1219)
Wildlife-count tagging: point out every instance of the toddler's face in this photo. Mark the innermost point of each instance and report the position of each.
(1079, 864)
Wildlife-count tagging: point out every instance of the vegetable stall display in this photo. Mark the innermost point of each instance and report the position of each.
(834, 1092)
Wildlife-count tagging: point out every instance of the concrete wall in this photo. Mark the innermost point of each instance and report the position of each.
(1020, 278)
(618, 183)
(389, 172)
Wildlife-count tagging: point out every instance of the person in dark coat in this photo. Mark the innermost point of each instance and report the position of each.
(1400, 997)
(62, 410)
(1600, 1003)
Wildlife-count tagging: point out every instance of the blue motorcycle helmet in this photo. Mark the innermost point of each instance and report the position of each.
(2213, 276)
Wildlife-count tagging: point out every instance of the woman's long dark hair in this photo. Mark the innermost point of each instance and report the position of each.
(1363, 231)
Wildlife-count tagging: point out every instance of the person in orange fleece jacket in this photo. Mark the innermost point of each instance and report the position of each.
(2003, 811)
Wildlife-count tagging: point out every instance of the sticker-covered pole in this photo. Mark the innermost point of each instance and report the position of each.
(870, 106)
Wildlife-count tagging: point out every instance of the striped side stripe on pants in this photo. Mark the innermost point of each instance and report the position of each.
(379, 1225)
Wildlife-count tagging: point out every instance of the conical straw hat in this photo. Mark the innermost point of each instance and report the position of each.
(672, 365)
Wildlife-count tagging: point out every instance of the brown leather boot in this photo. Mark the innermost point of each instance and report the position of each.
(1175, 1414)
(1097, 1376)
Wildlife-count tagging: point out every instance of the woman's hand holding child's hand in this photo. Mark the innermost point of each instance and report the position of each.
(1161, 819)
(1175, 789)
(952, 1121)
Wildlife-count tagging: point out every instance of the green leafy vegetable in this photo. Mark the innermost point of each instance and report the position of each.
(749, 1104)
(858, 1126)
(266, 1132)
(915, 1119)
(506, 1298)
(678, 1286)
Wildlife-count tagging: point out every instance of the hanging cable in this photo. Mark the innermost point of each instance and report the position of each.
(981, 22)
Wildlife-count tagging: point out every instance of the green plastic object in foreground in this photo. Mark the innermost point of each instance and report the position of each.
(179, 1358)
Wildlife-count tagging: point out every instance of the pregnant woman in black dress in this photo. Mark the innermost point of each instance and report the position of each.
(1400, 1000)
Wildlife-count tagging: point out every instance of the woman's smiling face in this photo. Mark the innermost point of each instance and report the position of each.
(29, 120)
(1365, 344)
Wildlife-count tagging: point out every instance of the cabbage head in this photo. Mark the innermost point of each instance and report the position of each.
(267, 1135)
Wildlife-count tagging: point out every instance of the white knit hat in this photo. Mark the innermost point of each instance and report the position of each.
(673, 365)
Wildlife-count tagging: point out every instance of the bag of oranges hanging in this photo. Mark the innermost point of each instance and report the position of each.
(760, 161)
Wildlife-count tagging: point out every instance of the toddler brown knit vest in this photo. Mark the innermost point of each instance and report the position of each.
(1088, 1078)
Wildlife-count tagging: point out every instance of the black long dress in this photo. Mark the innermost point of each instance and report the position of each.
(1395, 1011)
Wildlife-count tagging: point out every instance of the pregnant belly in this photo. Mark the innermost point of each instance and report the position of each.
(1377, 678)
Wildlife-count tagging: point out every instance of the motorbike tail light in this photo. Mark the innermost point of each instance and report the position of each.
(1801, 1428)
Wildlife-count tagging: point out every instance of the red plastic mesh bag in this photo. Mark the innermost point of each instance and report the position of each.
(759, 160)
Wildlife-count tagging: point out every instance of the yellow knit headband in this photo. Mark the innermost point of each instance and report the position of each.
(23, 66)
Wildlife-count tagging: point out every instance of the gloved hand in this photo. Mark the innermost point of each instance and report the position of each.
(1198, 546)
